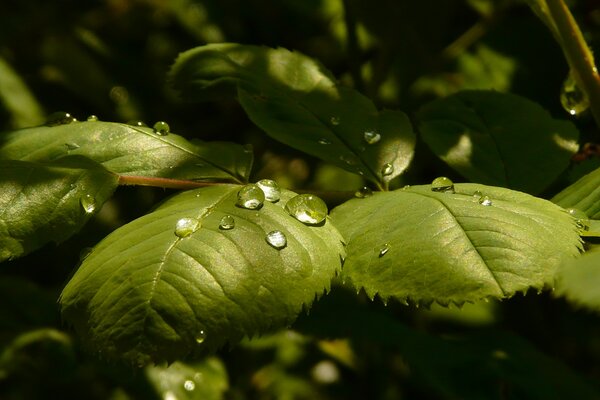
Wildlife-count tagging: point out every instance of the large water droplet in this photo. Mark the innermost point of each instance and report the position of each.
(324, 141)
(334, 120)
(71, 146)
(384, 249)
(136, 122)
(271, 189)
(581, 219)
(161, 128)
(250, 197)
(276, 239)
(59, 118)
(387, 169)
(371, 137)
(189, 385)
(572, 98)
(92, 118)
(88, 203)
(201, 337)
(227, 223)
(363, 192)
(307, 208)
(186, 226)
(485, 201)
(442, 184)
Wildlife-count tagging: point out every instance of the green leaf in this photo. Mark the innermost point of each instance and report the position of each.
(583, 195)
(206, 380)
(579, 281)
(131, 150)
(297, 101)
(422, 245)
(498, 139)
(41, 203)
(146, 293)
(18, 99)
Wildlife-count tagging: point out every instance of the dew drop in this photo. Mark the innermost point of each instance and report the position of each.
(92, 118)
(276, 239)
(371, 137)
(271, 189)
(442, 184)
(581, 219)
(201, 337)
(136, 122)
(485, 201)
(384, 249)
(59, 118)
(363, 192)
(572, 98)
(387, 169)
(477, 195)
(227, 223)
(324, 141)
(334, 120)
(88, 203)
(186, 226)
(161, 128)
(71, 146)
(349, 160)
(250, 197)
(307, 208)
(405, 187)
(189, 385)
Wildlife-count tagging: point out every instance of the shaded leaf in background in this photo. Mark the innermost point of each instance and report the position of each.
(147, 292)
(498, 139)
(426, 246)
(130, 150)
(579, 281)
(583, 195)
(48, 202)
(18, 99)
(297, 101)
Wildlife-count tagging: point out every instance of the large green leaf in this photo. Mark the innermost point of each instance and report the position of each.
(579, 281)
(583, 195)
(498, 139)
(41, 203)
(18, 99)
(130, 150)
(297, 101)
(146, 293)
(422, 245)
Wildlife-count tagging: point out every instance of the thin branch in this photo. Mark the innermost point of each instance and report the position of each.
(352, 43)
(127, 180)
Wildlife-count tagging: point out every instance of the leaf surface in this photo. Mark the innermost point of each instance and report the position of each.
(295, 100)
(583, 195)
(130, 150)
(145, 293)
(450, 248)
(578, 281)
(498, 139)
(42, 203)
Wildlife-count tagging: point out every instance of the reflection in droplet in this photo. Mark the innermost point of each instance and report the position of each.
(59, 118)
(161, 128)
(307, 208)
(201, 337)
(189, 385)
(581, 219)
(186, 226)
(387, 169)
(277, 239)
(371, 137)
(135, 122)
(324, 141)
(92, 118)
(485, 201)
(71, 146)
(363, 192)
(350, 160)
(334, 120)
(442, 184)
(227, 223)
(573, 99)
(477, 195)
(271, 189)
(384, 249)
(88, 203)
(250, 197)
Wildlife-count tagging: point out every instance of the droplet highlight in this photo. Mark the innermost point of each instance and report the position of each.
(135, 122)
(581, 219)
(227, 223)
(201, 337)
(186, 226)
(271, 189)
(189, 385)
(384, 249)
(442, 184)
(324, 141)
(88, 203)
(71, 146)
(276, 239)
(334, 120)
(363, 192)
(477, 195)
(573, 99)
(371, 137)
(387, 169)
(92, 118)
(59, 118)
(485, 201)
(161, 128)
(307, 208)
(250, 197)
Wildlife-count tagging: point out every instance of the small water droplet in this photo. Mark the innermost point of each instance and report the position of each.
(161, 128)
(307, 208)
(371, 137)
(201, 337)
(59, 118)
(348, 159)
(248, 149)
(186, 226)
(277, 239)
(477, 195)
(387, 169)
(442, 184)
(384, 249)
(71, 146)
(334, 120)
(485, 201)
(250, 197)
(405, 187)
(92, 118)
(88, 203)
(271, 190)
(581, 219)
(363, 192)
(572, 98)
(189, 385)
(136, 122)
(227, 223)
(324, 141)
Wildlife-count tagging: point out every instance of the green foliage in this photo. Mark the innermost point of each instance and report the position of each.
(583, 195)
(578, 281)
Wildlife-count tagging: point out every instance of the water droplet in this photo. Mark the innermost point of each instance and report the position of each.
(442, 184)
(371, 137)
(92, 118)
(227, 223)
(485, 201)
(59, 118)
(387, 169)
(307, 208)
(136, 122)
(189, 385)
(276, 239)
(201, 337)
(581, 219)
(186, 226)
(71, 146)
(161, 128)
(250, 197)
(363, 192)
(88, 203)
(248, 149)
(384, 249)
(324, 141)
(334, 120)
(405, 187)
(271, 190)
(348, 159)
(477, 195)
(572, 98)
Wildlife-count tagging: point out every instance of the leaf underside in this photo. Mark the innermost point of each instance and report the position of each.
(583, 195)
(450, 248)
(145, 294)
(578, 281)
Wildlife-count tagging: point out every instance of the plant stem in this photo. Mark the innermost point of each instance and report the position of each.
(352, 43)
(165, 183)
(577, 53)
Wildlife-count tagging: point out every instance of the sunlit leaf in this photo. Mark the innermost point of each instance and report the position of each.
(583, 195)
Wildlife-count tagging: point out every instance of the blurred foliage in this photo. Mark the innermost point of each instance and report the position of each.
(110, 58)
